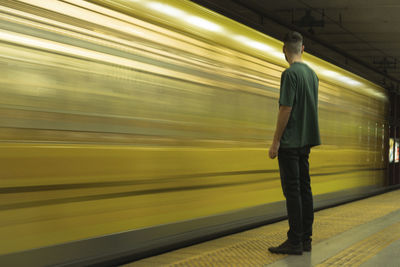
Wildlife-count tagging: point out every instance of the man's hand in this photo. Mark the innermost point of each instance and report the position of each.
(273, 150)
(283, 118)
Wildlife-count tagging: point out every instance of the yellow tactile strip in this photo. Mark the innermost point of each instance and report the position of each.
(250, 248)
(360, 252)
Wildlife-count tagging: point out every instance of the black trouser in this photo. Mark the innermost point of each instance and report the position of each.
(295, 180)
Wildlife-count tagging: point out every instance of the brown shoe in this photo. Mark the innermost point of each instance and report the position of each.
(287, 248)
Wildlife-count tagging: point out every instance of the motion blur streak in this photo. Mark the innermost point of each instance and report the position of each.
(115, 116)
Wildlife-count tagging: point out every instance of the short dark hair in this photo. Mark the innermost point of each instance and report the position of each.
(293, 42)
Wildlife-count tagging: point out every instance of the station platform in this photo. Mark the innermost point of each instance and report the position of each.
(363, 233)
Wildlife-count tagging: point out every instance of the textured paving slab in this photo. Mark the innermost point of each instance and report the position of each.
(352, 247)
(250, 248)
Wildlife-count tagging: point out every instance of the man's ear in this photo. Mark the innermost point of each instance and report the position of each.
(302, 49)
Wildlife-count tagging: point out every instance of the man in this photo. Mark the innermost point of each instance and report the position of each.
(296, 132)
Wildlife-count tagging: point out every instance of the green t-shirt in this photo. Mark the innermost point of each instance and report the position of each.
(299, 90)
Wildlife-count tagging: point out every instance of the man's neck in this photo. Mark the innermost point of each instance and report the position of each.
(295, 58)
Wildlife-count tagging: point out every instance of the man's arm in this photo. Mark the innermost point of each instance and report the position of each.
(283, 118)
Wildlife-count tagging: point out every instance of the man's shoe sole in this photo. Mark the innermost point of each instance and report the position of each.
(286, 252)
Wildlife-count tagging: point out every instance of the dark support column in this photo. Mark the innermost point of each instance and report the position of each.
(394, 133)
(390, 171)
(397, 165)
(397, 134)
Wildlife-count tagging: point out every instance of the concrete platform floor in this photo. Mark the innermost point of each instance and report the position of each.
(364, 233)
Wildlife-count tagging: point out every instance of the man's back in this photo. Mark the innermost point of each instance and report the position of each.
(296, 131)
(299, 90)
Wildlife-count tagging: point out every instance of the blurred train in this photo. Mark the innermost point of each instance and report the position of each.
(134, 126)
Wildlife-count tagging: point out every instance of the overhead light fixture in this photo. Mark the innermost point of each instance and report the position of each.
(330, 73)
(348, 80)
(177, 13)
(260, 46)
(166, 9)
(279, 55)
(203, 23)
(254, 44)
(341, 78)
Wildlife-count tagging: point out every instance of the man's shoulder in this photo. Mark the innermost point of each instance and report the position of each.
(299, 70)
(289, 72)
(302, 68)
(296, 68)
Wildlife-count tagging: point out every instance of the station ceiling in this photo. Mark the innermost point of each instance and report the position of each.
(362, 36)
